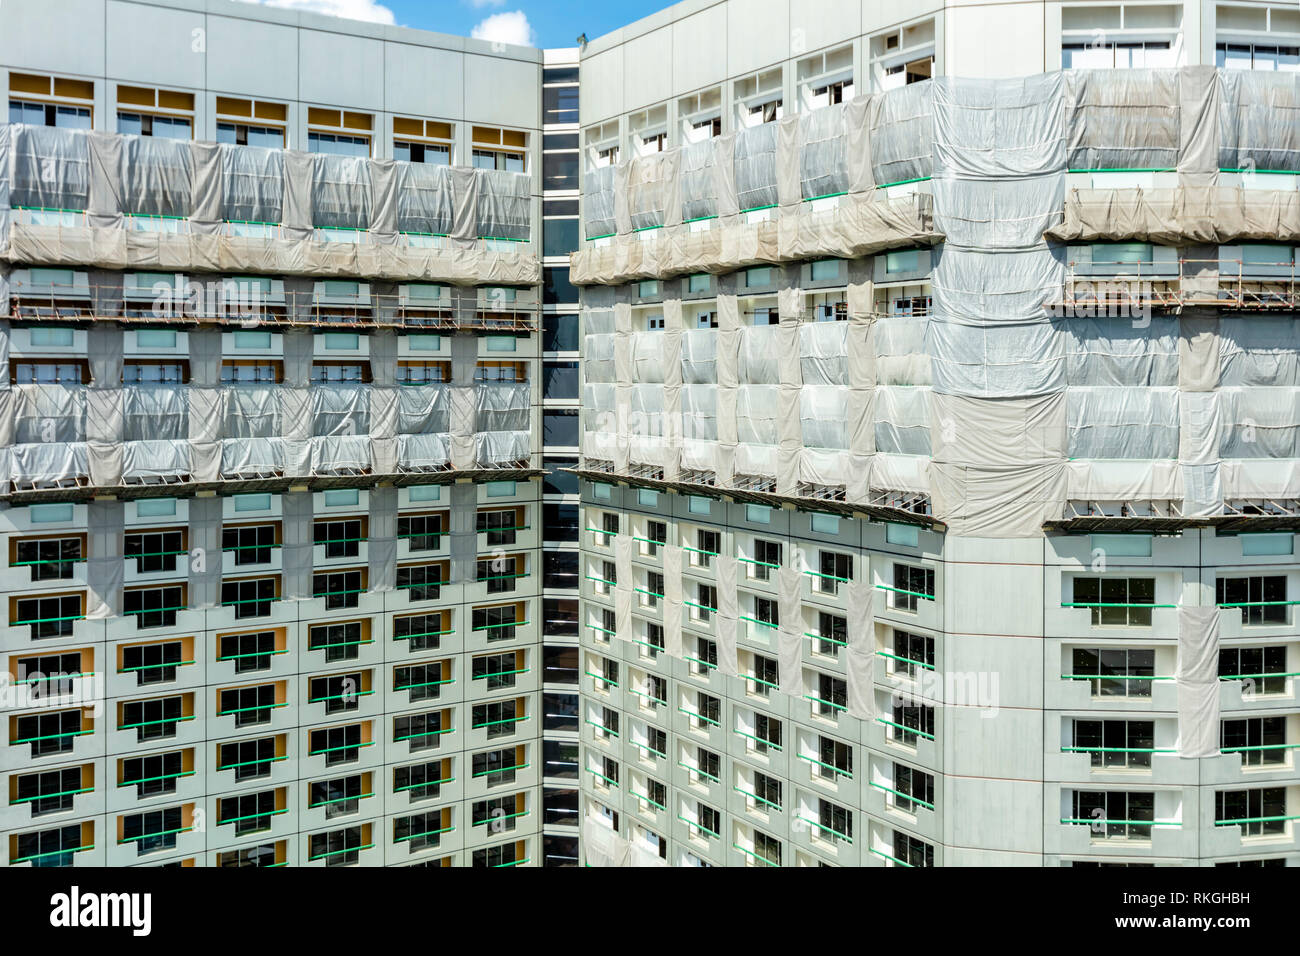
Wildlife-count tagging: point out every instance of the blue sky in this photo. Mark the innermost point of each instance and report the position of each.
(541, 23)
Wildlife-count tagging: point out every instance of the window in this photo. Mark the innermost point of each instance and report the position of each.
(49, 675)
(422, 632)
(249, 705)
(340, 641)
(1102, 55)
(420, 831)
(250, 652)
(137, 372)
(912, 651)
(507, 854)
(154, 607)
(339, 692)
(1252, 56)
(250, 597)
(765, 677)
(498, 766)
(52, 791)
(341, 539)
(420, 781)
(559, 104)
(834, 822)
(833, 633)
(560, 522)
(912, 721)
(338, 132)
(249, 759)
(1126, 744)
(340, 797)
(49, 847)
(911, 584)
(49, 733)
(252, 544)
(50, 114)
(422, 141)
(654, 639)
(706, 658)
(1111, 814)
(556, 286)
(336, 744)
(1261, 741)
(419, 731)
(48, 616)
(708, 602)
(653, 590)
(914, 788)
(560, 665)
(1115, 671)
(420, 681)
(1253, 666)
(560, 427)
(338, 847)
(251, 122)
(708, 546)
(499, 526)
(496, 719)
(421, 532)
(49, 559)
(708, 710)
(499, 149)
(836, 569)
(834, 759)
(498, 669)
(767, 555)
(499, 622)
(766, 611)
(911, 851)
(341, 588)
(153, 719)
(499, 812)
(1262, 599)
(1116, 602)
(767, 730)
(146, 112)
(50, 373)
(249, 812)
(154, 551)
(498, 574)
(152, 663)
(152, 831)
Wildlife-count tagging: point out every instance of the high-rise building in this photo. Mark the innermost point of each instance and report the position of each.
(271, 428)
(772, 433)
(938, 458)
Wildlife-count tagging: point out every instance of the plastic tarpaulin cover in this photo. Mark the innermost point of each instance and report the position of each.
(650, 182)
(156, 412)
(424, 200)
(340, 410)
(1259, 422)
(1116, 351)
(1122, 119)
(699, 357)
(503, 204)
(252, 412)
(598, 189)
(823, 417)
(51, 167)
(1259, 120)
(902, 134)
(1122, 422)
(823, 160)
(502, 408)
(49, 414)
(252, 183)
(755, 165)
(158, 177)
(902, 420)
(698, 184)
(340, 194)
(823, 353)
(423, 410)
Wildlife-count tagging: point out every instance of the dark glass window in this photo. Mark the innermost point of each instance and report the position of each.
(554, 141)
(557, 482)
(559, 333)
(556, 287)
(560, 665)
(560, 74)
(559, 104)
(559, 207)
(559, 236)
(560, 380)
(560, 569)
(561, 522)
(560, 427)
(560, 171)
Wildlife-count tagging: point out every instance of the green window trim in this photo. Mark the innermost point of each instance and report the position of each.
(252, 816)
(828, 577)
(165, 776)
(241, 710)
(497, 866)
(505, 816)
(153, 667)
(50, 796)
(235, 657)
(891, 859)
(1118, 677)
(910, 730)
(1228, 823)
(905, 796)
(77, 676)
(835, 833)
(754, 796)
(761, 564)
(645, 799)
(828, 640)
(612, 733)
(426, 733)
(707, 720)
(41, 856)
(608, 682)
(754, 620)
(416, 836)
(490, 627)
(1245, 676)
(494, 723)
(648, 749)
(398, 688)
(1116, 750)
(762, 859)
(829, 703)
(427, 783)
(760, 740)
(407, 637)
(152, 723)
(346, 849)
(597, 773)
(1233, 750)
(148, 836)
(920, 594)
(23, 564)
(325, 803)
(518, 766)
(905, 660)
(640, 693)
(698, 826)
(248, 763)
(838, 771)
(522, 670)
(702, 773)
(48, 620)
(235, 603)
(1255, 604)
(759, 680)
(330, 750)
(696, 660)
(343, 696)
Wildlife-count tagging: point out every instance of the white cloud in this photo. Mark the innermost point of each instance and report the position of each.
(367, 10)
(506, 28)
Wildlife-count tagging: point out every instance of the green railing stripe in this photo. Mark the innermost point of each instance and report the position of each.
(165, 776)
(152, 667)
(905, 796)
(754, 796)
(757, 739)
(829, 766)
(737, 846)
(518, 766)
(165, 720)
(910, 730)
(1228, 823)
(905, 660)
(698, 716)
(698, 826)
(920, 594)
(51, 796)
(251, 816)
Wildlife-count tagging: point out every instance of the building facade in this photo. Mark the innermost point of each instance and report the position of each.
(272, 441)
(936, 447)
(764, 435)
